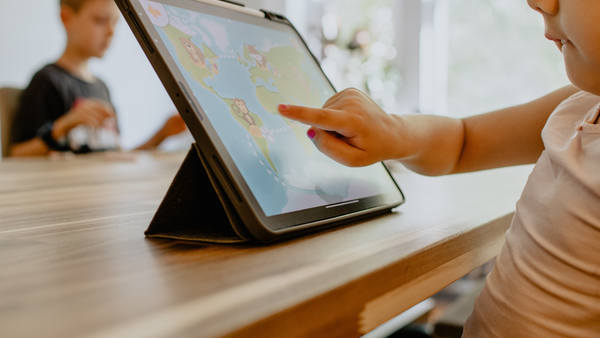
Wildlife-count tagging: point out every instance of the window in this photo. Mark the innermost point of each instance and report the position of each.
(448, 57)
(498, 56)
(355, 41)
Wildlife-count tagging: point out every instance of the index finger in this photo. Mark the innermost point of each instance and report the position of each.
(326, 119)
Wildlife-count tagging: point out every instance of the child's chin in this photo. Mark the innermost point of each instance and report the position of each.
(100, 54)
(584, 81)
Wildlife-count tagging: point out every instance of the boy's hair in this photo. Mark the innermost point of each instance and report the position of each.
(73, 4)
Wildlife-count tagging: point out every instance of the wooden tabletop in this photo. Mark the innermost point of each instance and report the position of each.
(74, 261)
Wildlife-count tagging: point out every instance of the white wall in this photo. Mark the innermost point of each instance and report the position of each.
(32, 36)
(29, 38)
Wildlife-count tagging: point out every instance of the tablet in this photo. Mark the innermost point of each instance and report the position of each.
(227, 68)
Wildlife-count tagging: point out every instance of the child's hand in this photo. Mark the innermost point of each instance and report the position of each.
(90, 112)
(173, 126)
(351, 128)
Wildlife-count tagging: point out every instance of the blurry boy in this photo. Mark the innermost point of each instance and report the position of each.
(65, 107)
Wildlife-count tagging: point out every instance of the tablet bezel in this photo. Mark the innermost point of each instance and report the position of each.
(265, 228)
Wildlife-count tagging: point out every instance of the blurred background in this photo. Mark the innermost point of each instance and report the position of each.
(447, 57)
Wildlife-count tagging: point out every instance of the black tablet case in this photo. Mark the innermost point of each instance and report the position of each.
(196, 208)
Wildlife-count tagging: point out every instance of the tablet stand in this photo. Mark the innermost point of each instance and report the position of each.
(196, 208)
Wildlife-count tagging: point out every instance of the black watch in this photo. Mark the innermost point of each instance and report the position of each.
(45, 133)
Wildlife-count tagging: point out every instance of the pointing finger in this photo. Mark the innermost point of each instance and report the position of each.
(327, 119)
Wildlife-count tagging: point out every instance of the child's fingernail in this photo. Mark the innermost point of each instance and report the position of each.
(311, 134)
(283, 107)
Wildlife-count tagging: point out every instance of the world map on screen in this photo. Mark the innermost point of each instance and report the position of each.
(240, 73)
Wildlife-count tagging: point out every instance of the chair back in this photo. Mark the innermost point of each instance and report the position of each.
(9, 104)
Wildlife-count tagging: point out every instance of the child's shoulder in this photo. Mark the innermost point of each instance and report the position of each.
(579, 99)
(571, 112)
(57, 78)
(49, 75)
(576, 105)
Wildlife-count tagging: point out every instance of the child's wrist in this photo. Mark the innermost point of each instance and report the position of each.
(400, 137)
(59, 129)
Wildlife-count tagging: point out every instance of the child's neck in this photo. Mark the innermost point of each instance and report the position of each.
(76, 63)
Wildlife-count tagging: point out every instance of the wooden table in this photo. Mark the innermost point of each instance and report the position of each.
(74, 261)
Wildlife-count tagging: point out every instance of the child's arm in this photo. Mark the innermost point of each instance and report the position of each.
(33, 147)
(91, 112)
(173, 126)
(354, 130)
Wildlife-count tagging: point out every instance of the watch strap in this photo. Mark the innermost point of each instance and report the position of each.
(45, 134)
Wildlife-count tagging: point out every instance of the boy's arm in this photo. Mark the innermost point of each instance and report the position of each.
(33, 147)
(353, 130)
(173, 126)
(91, 112)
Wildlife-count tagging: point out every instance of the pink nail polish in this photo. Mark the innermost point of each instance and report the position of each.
(283, 107)
(311, 133)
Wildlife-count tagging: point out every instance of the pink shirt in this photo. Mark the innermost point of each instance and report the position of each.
(546, 282)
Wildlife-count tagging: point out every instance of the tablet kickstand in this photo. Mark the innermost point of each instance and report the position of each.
(196, 208)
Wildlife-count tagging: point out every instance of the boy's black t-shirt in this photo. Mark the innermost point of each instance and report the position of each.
(50, 95)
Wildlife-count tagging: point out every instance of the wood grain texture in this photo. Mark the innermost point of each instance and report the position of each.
(75, 263)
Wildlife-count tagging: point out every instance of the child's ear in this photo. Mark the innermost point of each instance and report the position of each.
(66, 15)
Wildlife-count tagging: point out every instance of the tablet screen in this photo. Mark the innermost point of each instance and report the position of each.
(239, 73)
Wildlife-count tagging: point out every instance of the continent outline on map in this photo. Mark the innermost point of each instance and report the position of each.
(199, 73)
